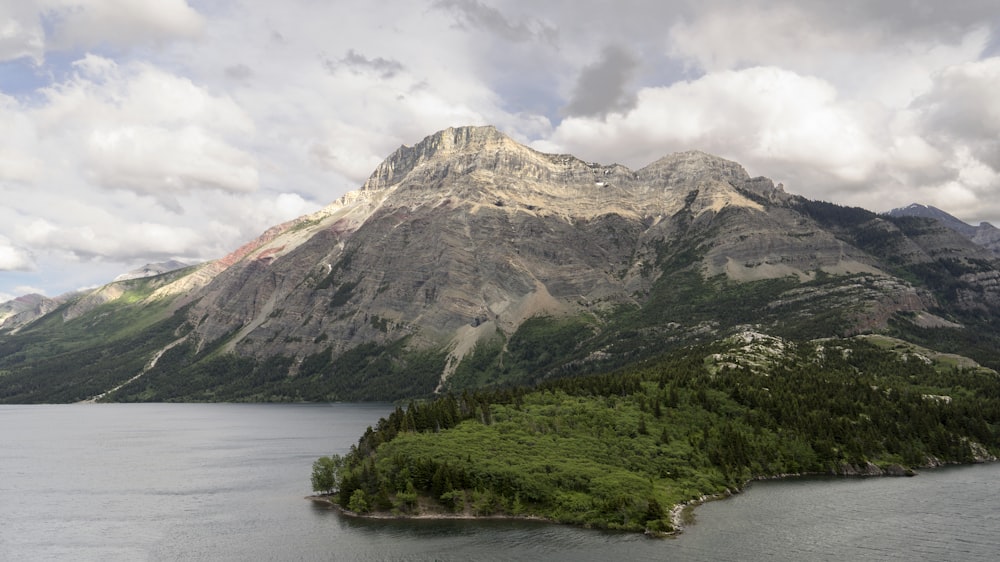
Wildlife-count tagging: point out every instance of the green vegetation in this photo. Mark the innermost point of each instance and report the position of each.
(541, 345)
(88, 355)
(368, 371)
(617, 450)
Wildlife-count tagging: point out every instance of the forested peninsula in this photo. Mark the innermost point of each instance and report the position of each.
(622, 450)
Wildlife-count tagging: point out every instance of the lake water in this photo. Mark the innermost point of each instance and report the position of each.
(227, 481)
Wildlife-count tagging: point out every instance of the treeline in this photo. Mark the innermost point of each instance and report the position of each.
(369, 371)
(38, 368)
(616, 450)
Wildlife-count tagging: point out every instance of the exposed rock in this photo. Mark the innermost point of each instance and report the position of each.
(467, 234)
(863, 469)
(23, 310)
(468, 228)
(151, 269)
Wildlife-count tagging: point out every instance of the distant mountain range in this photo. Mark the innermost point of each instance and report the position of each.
(28, 308)
(985, 234)
(470, 260)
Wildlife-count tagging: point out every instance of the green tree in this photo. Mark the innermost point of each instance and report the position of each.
(326, 473)
(359, 502)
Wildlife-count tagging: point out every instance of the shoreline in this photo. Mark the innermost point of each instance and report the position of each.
(326, 500)
(680, 515)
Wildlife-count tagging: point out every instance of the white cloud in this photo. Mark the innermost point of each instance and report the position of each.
(122, 242)
(291, 205)
(142, 129)
(866, 54)
(86, 24)
(751, 34)
(18, 159)
(766, 117)
(13, 258)
(95, 22)
(158, 160)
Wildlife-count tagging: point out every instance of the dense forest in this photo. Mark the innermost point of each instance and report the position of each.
(618, 450)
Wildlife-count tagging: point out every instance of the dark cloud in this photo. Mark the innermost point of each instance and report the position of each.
(239, 72)
(476, 15)
(358, 63)
(386, 68)
(962, 109)
(602, 86)
(920, 19)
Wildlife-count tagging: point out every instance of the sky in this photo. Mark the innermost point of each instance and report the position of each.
(135, 131)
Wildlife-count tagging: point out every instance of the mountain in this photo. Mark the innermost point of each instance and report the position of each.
(28, 308)
(985, 234)
(469, 259)
(23, 310)
(151, 269)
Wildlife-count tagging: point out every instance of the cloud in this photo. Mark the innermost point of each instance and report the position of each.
(21, 33)
(141, 129)
(162, 161)
(769, 116)
(874, 50)
(33, 28)
(962, 108)
(13, 258)
(191, 127)
(117, 242)
(476, 15)
(601, 86)
(239, 72)
(18, 160)
(356, 62)
(92, 23)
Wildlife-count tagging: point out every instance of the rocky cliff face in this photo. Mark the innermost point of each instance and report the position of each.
(455, 243)
(468, 232)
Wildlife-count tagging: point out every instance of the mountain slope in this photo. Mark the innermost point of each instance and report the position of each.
(985, 235)
(469, 259)
(24, 310)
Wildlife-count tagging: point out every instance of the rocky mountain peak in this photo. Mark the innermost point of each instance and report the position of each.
(441, 145)
(927, 211)
(985, 235)
(693, 166)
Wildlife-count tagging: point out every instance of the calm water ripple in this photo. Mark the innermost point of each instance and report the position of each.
(226, 482)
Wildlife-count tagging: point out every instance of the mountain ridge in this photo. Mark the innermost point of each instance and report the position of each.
(470, 259)
(984, 234)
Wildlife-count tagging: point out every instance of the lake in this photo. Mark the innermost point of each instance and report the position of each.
(227, 481)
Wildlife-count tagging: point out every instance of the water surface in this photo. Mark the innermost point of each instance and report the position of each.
(227, 482)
